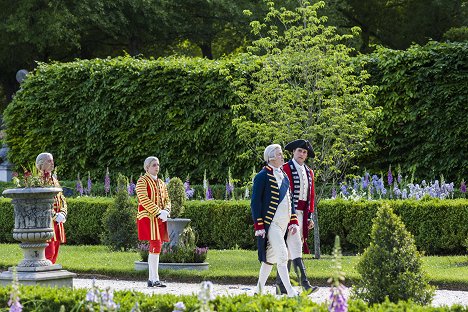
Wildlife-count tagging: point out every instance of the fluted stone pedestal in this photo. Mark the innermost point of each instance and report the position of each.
(33, 228)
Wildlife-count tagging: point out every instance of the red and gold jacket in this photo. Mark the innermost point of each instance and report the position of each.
(292, 173)
(152, 198)
(60, 205)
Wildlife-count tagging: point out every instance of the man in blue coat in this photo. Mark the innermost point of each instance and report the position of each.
(273, 215)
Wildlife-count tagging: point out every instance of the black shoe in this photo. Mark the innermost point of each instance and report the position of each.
(158, 284)
(150, 284)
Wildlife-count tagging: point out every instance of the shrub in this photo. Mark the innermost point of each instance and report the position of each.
(186, 251)
(119, 220)
(176, 191)
(391, 266)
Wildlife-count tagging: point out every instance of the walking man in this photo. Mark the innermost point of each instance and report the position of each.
(301, 179)
(273, 216)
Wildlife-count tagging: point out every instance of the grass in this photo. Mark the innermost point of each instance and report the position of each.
(226, 266)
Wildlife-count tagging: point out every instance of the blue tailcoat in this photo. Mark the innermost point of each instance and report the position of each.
(266, 197)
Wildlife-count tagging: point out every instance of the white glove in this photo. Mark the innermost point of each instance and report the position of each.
(163, 215)
(60, 217)
(293, 229)
(260, 233)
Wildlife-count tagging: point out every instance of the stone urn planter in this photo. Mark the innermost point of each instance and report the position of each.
(33, 228)
(175, 227)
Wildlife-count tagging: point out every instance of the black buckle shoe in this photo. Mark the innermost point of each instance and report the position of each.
(158, 284)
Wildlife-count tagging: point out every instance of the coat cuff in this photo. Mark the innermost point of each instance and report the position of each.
(259, 224)
(293, 220)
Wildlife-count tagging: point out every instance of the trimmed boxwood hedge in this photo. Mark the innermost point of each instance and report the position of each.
(439, 226)
(36, 298)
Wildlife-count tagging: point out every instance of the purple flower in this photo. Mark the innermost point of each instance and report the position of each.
(399, 178)
(338, 300)
(90, 185)
(79, 186)
(167, 180)
(131, 187)
(107, 181)
(179, 307)
(390, 176)
(365, 181)
(188, 191)
(209, 194)
(15, 305)
(463, 187)
(333, 192)
(344, 190)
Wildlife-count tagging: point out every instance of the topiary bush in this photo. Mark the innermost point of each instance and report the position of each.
(176, 191)
(119, 220)
(391, 266)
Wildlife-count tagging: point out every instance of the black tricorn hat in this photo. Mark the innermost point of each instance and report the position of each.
(301, 144)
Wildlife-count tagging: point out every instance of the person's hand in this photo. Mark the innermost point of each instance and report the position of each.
(293, 228)
(60, 217)
(260, 233)
(163, 215)
(311, 224)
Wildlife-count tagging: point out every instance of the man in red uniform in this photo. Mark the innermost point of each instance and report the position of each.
(45, 165)
(301, 179)
(154, 207)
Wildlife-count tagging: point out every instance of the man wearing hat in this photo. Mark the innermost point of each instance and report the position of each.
(301, 179)
(273, 216)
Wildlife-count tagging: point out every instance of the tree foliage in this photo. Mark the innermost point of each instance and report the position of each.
(398, 24)
(119, 220)
(114, 112)
(300, 82)
(391, 266)
(424, 97)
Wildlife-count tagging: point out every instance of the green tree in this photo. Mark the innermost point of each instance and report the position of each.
(398, 24)
(391, 266)
(300, 82)
(120, 231)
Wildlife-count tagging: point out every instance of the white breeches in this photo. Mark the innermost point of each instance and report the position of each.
(276, 251)
(294, 242)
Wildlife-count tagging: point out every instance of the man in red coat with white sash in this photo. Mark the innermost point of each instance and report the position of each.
(154, 207)
(301, 179)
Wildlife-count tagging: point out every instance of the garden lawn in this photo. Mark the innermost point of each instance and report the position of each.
(226, 266)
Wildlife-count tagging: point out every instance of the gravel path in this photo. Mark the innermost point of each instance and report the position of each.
(442, 297)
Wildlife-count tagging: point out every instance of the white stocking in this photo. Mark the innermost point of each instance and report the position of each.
(153, 265)
(265, 271)
(284, 274)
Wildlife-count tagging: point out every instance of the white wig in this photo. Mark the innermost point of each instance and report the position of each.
(270, 152)
(41, 158)
(148, 162)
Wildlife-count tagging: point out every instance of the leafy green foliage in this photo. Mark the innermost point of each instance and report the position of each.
(36, 298)
(113, 112)
(176, 192)
(119, 220)
(391, 266)
(299, 81)
(186, 250)
(423, 94)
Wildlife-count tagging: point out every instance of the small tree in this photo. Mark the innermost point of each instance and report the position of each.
(176, 191)
(300, 81)
(391, 265)
(119, 220)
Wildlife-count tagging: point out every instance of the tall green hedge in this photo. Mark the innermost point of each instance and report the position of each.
(425, 103)
(439, 226)
(93, 114)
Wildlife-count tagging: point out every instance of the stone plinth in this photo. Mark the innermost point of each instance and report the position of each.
(52, 275)
(34, 228)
